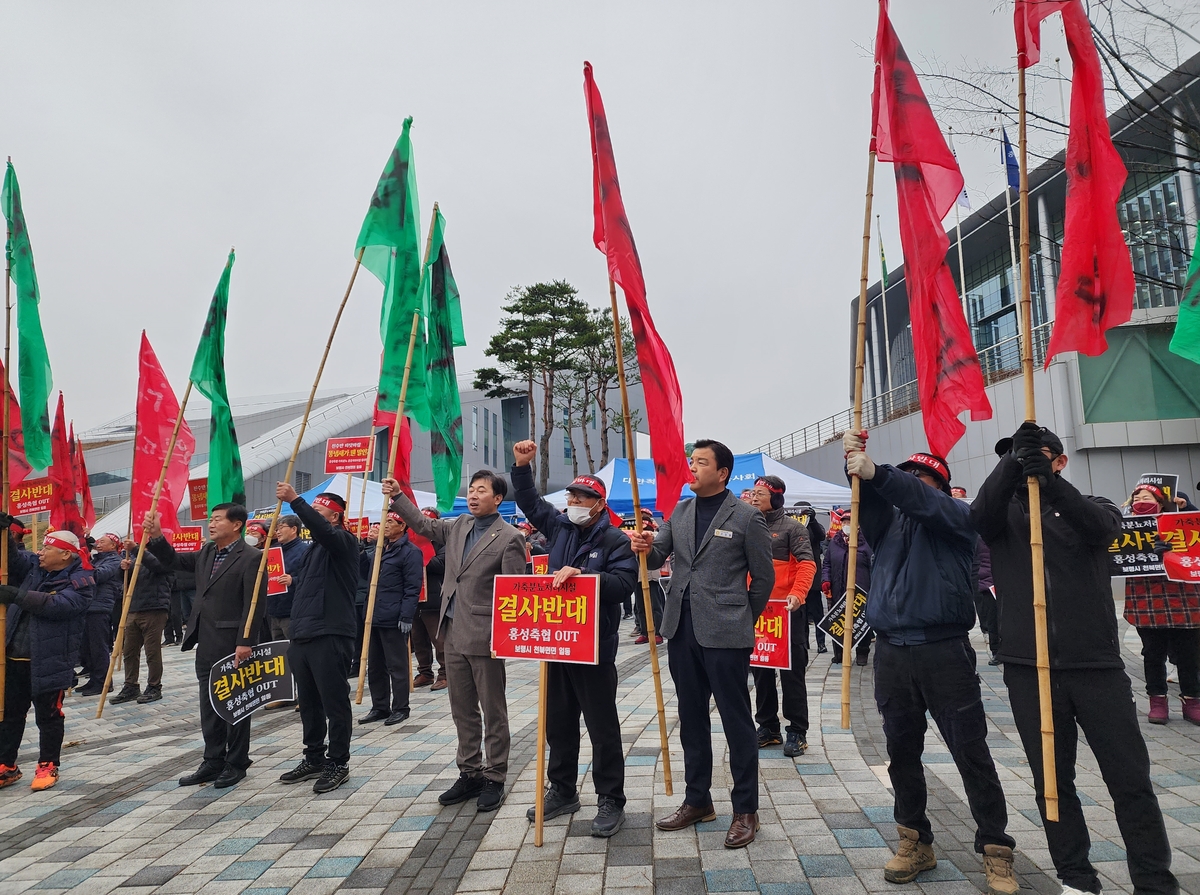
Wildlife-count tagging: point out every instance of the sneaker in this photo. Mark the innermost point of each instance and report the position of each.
(333, 776)
(554, 804)
(152, 694)
(424, 679)
(768, 737)
(609, 818)
(795, 746)
(9, 774)
(491, 796)
(912, 858)
(822, 649)
(464, 788)
(45, 776)
(128, 693)
(998, 870)
(995, 658)
(306, 770)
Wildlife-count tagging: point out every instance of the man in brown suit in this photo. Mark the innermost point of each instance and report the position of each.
(226, 568)
(479, 547)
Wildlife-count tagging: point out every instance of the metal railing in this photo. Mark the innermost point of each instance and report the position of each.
(998, 362)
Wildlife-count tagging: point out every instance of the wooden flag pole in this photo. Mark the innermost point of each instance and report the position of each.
(137, 565)
(860, 354)
(539, 805)
(262, 562)
(643, 569)
(1041, 634)
(362, 495)
(391, 470)
(4, 505)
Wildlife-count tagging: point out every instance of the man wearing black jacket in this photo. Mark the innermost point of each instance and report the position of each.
(427, 643)
(1089, 687)
(323, 629)
(582, 541)
(97, 630)
(145, 622)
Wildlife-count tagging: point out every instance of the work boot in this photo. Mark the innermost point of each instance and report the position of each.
(1191, 709)
(998, 869)
(912, 857)
(128, 693)
(1159, 712)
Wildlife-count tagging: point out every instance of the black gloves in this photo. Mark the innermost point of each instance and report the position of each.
(1027, 439)
(8, 593)
(1038, 464)
(6, 520)
(1161, 547)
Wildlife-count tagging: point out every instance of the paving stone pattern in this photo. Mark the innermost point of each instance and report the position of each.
(119, 822)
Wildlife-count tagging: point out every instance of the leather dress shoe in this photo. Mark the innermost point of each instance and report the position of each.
(742, 830)
(396, 718)
(373, 715)
(685, 816)
(231, 775)
(206, 773)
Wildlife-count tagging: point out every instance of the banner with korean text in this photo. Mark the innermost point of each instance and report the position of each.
(772, 637)
(275, 570)
(348, 455)
(198, 498)
(532, 619)
(1132, 551)
(31, 496)
(187, 539)
(1182, 532)
(239, 691)
(834, 622)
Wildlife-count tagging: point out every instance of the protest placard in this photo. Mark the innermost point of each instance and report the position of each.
(540, 563)
(198, 498)
(531, 619)
(1168, 483)
(31, 496)
(834, 622)
(1132, 551)
(348, 455)
(238, 692)
(1182, 532)
(274, 571)
(188, 539)
(772, 637)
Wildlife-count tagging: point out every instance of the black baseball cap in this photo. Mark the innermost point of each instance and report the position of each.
(1049, 439)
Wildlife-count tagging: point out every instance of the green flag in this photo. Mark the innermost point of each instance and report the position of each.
(439, 293)
(390, 242)
(1186, 341)
(33, 374)
(225, 481)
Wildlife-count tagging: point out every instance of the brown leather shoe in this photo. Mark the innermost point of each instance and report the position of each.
(742, 830)
(439, 684)
(422, 680)
(686, 816)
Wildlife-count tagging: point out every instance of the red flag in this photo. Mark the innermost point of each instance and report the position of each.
(157, 411)
(79, 467)
(64, 509)
(613, 236)
(403, 476)
(18, 465)
(1095, 286)
(928, 182)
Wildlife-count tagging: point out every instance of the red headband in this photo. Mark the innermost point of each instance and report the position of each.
(768, 486)
(931, 462)
(51, 541)
(1153, 489)
(395, 517)
(116, 538)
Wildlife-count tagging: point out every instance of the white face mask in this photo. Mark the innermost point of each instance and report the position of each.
(579, 515)
(252, 540)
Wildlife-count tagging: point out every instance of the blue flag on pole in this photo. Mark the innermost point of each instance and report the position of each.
(1010, 163)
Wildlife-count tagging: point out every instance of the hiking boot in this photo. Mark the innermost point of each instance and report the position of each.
(795, 746)
(464, 788)
(152, 694)
(554, 804)
(332, 777)
(491, 796)
(998, 869)
(306, 770)
(424, 679)
(128, 693)
(609, 818)
(9, 774)
(45, 776)
(768, 737)
(912, 857)
(1159, 713)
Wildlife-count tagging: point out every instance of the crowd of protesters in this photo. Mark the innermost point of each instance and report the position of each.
(930, 559)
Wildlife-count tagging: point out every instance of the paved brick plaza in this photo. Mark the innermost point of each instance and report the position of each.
(119, 822)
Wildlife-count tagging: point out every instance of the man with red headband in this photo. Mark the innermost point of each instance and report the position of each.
(922, 608)
(46, 608)
(97, 627)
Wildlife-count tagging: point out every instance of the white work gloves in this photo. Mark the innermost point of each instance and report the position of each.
(857, 461)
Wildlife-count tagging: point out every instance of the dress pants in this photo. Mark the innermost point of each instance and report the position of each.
(427, 645)
(701, 673)
(795, 693)
(939, 677)
(173, 630)
(387, 669)
(320, 667)
(592, 691)
(985, 608)
(224, 743)
(815, 606)
(1100, 701)
(476, 683)
(657, 602)
(47, 712)
(144, 629)
(279, 628)
(1182, 645)
(97, 645)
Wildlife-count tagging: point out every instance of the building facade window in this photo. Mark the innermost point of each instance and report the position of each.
(1151, 214)
(487, 460)
(566, 421)
(474, 428)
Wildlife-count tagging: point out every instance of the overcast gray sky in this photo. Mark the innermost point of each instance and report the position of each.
(149, 137)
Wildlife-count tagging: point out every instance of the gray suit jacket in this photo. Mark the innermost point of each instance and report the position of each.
(724, 607)
(470, 580)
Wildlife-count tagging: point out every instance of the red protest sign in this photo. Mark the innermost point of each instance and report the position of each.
(772, 637)
(1182, 532)
(344, 455)
(31, 496)
(360, 528)
(198, 498)
(187, 539)
(541, 564)
(274, 571)
(531, 619)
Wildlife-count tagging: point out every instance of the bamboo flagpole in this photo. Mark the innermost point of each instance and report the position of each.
(643, 569)
(127, 598)
(539, 805)
(860, 353)
(262, 562)
(1041, 634)
(4, 501)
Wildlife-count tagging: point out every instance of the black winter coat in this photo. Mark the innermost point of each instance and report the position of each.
(52, 605)
(110, 581)
(399, 587)
(152, 593)
(324, 599)
(294, 553)
(833, 567)
(435, 572)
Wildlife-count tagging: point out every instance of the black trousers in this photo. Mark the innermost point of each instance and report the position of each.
(97, 645)
(387, 669)
(320, 667)
(224, 743)
(47, 712)
(863, 648)
(173, 630)
(592, 691)
(658, 600)
(701, 673)
(427, 644)
(815, 607)
(1100, 701)
(795, 694)
(985, 608)
(938, 677)
(1182, 645)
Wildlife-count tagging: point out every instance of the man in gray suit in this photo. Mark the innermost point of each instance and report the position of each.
(718, 542)
(479, 547)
